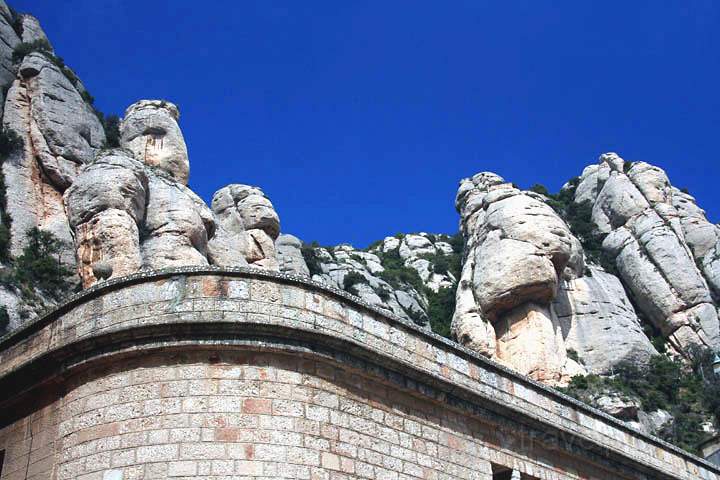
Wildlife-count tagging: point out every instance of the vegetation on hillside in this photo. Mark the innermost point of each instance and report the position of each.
(39, 267)
(312, 261)
(111, 124)
(689, 392)
(440, 304)
(352, 279)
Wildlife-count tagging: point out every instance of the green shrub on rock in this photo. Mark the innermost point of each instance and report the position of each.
(351, 279)
(311, 259)
(689, 392)
(26, 48)
(39, 267)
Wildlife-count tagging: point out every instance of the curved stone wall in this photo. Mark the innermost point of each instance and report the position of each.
(205, 373)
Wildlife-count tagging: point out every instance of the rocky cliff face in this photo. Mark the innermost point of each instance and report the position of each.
(104, 212)
(592, 283)
(617, 265)
(404, 274)
(662, 245)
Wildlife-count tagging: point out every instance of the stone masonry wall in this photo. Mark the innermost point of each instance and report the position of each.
(201, 373)
(272, 416)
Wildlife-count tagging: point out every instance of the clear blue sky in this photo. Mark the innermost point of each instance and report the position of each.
(358, 118)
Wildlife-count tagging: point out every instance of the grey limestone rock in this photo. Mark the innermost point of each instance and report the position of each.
(106, 208)
(31, 31)
(599, 323)
(247, 228)
(517, 249)
(418, 251)
(9, 39)
(344, 261)
(289, 254)
(177, 225)
(60, 134)
(661, 244)
(150, 130)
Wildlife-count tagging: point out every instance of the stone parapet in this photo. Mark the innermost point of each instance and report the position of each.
(201, 372)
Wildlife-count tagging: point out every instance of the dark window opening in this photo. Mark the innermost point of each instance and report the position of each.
(501, 473)
(2, 461)
(504, 473)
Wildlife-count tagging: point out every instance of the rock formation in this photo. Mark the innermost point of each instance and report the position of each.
(419, 252)
(526, 296)
(106, 209)
(248, 227)
(529, 293)
(661, 244)
(517, 250)
(599, 322)
(151, 132)
(60, 134)
(115, 211)
(131, 209)
(289, 255)
(9, 39)
(400, 274)
(360, 273)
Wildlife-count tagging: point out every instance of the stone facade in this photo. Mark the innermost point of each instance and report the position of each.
(205, 373)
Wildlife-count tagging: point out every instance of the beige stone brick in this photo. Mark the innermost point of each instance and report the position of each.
(250, 468)
(330, 460)
(257, 405)
(182, 468)
(202, 451)
(157, 453)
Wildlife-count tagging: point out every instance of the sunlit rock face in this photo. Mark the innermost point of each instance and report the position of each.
(517, 248)
(177, 225)
(247, 228)
(599, 322)
(526, 297)
(106, 209)
(60, 133)
(150, 130)
(662, 245)
(130, 209)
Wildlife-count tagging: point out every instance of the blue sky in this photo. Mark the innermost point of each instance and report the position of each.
(358, 119)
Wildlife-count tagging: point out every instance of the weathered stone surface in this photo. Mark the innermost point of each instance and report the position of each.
(338, 262)
(658, 238)
(651, 423)
(243, 207)
(60, 133)
(599, 323)
(8, 41)
(247, 228)
(150, 130)
(517, 249)
(529, 339)
(113, 180)
(290, 258)
(105, 206)
(31, 29)
(701, 236)
(177, 225)
(469, 326)
(619, 406)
